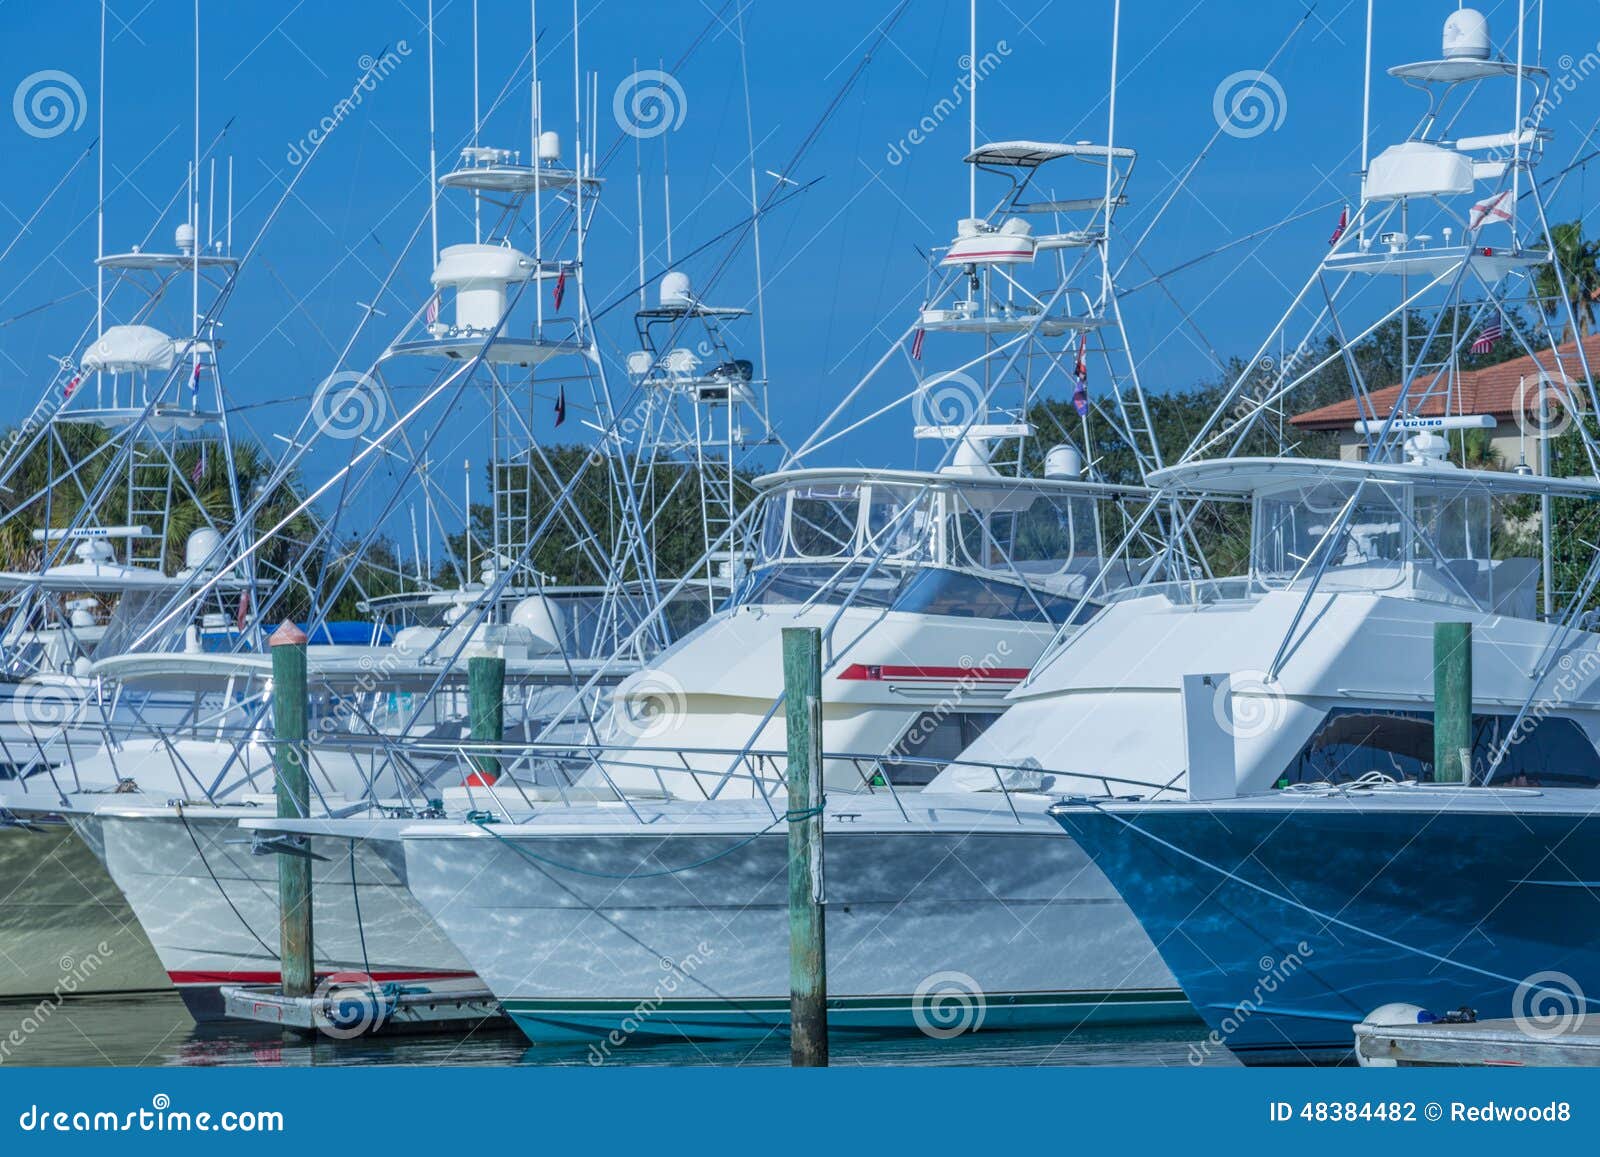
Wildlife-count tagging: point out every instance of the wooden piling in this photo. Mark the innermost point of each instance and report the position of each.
(1452, 703)
(808, 963)
(486, 712)
(289, 710)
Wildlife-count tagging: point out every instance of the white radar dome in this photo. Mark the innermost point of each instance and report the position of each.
(1466, 35)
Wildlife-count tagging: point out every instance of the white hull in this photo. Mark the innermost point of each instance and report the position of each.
(962, 902)
(64, 927)
(210, 907)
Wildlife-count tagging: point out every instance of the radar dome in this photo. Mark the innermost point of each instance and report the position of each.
(183, 236)
(1466, 35)
(544, 620)
(675, 290)
(200, 546)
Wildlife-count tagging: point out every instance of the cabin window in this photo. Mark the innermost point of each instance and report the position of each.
(1292, 540)
(939, 736)
(822, 521)
(1552, 752)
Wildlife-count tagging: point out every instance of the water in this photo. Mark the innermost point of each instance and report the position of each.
(155, 1030)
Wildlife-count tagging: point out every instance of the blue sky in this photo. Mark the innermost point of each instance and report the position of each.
(842, 260)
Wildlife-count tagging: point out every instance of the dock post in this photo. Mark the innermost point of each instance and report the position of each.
(289, 709)
(808, 958)
(1452, 703)
(486, 712)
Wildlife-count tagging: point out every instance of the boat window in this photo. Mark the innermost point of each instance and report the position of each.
(822, 520)
(1029, 534)
(1291, 538)
(940, 735)
(1551, 752)
(899, 519)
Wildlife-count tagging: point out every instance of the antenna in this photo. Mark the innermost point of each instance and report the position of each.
(972, 106)
(537, 96)
(477, 194)
(638, 200)
(100, 207)
(433, 151)
(194, 214)
(1366, 127)
(228, 240)
(666, 187)
(755, 211)
(1111, 141)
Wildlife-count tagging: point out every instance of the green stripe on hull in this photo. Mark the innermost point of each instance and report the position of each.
(565, 1020)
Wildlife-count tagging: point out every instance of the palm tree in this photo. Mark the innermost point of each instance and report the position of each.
(1579, 261)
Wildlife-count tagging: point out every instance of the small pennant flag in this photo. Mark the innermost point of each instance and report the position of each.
(1489, 337)
(561, 287)
(433, 309)
(1344, 223)
(244, 610)
(916, 345)
(561, 405)
(66, 390)
(199, 468)
(1494, 209)
(1080, 374)
(194, 379)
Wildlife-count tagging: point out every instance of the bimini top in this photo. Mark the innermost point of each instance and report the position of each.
(1032, 154)
(1275, 475)
(825, 475)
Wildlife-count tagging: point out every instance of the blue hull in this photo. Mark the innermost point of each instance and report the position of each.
(1353, 908)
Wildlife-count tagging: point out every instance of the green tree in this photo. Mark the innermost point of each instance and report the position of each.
(1579, 262)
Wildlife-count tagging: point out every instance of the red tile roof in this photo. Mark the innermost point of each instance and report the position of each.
(1490, 391)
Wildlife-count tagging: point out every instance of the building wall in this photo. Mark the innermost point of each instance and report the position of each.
(1506, 438)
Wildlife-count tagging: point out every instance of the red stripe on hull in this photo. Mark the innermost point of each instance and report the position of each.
(878, 673)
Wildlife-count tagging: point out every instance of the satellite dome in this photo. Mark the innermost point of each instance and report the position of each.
(1466, 35)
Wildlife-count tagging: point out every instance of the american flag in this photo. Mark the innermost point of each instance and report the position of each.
(1488, 336)
(1344, 223)
(433, 309)
(916, 344)
(199, 468)
(66, 391)
(561, 287)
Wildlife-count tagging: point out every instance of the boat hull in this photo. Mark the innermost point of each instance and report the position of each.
(942, 930)
(65, 929)
(210, 906)
(1288, 924)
